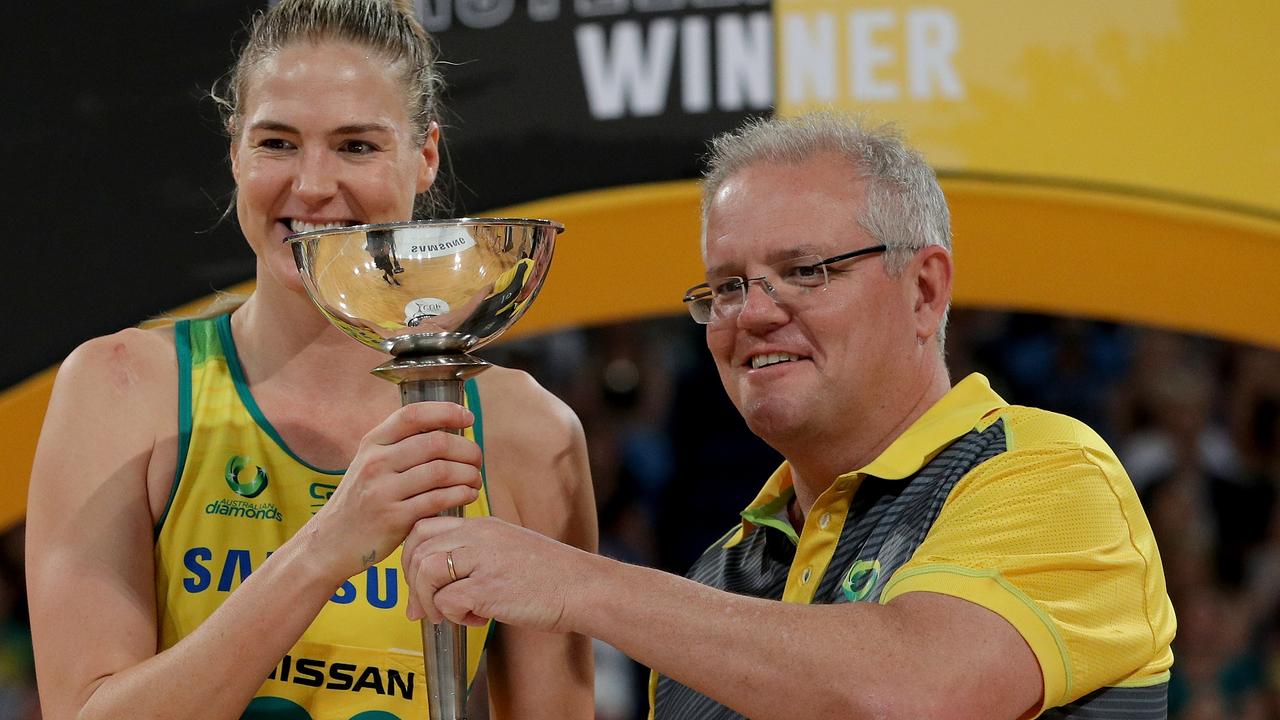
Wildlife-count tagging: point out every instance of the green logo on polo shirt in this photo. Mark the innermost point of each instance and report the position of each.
(860, 579)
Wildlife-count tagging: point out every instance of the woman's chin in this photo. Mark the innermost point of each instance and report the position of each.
(282, 272)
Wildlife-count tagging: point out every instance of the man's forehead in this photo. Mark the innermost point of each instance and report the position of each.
(822, 169)
(727, 254)
(771, 212)
(817, 185)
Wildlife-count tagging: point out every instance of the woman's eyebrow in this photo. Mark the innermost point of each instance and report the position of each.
(353, 129)
(361, 128)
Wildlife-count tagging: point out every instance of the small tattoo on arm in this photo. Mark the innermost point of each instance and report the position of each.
(368, 559)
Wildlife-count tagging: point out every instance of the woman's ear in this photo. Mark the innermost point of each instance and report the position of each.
(430, 159)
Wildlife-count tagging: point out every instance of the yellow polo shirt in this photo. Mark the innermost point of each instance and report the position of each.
(1022, 511)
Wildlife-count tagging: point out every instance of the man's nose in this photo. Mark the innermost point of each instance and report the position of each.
(762, 306)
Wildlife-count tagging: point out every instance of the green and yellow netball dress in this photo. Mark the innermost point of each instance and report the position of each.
(238, 494)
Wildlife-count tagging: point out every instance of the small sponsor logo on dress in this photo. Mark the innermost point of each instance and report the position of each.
(244, 509)
(214, 569)
(322, 492)
(247, 484)
(860, 580)
(321, 673)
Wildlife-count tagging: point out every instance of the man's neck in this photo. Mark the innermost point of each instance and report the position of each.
(816, 464)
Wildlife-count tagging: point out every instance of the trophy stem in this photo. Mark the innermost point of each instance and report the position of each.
(439, 378)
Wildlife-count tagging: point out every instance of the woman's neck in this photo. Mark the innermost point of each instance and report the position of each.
(286, 344)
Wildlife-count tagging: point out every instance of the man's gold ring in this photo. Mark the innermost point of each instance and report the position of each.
(448, 558)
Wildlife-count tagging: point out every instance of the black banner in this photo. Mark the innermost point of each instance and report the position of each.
(119, 174)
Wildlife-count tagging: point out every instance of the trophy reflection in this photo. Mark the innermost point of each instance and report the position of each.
(427, 293)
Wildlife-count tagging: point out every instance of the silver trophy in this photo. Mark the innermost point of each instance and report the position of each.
(428, 293)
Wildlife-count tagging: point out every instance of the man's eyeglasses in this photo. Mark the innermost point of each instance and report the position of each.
(798, 277)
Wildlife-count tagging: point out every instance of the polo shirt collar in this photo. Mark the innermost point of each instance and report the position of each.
(956, 413)
(770, 506)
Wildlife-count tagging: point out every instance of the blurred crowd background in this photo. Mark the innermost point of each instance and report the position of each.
(1195, 420)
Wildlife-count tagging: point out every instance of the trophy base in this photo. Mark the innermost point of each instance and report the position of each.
(431, 369)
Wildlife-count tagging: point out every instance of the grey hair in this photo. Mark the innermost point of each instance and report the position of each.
(905, 208)
(388, 27)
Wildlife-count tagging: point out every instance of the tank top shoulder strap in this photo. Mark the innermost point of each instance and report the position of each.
(471, 393)
(195, 341)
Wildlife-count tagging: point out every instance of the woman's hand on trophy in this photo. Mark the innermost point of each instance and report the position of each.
(408, 467)
(475, 569)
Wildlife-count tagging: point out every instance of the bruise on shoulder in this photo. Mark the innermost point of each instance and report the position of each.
(122, 370)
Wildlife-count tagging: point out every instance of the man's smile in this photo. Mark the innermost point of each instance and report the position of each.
(763, 360)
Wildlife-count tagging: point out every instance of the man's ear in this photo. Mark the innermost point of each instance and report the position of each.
(931, 269)
(430, 159)
(235, 160)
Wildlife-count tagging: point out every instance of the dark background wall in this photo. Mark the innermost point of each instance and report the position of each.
(118, 175)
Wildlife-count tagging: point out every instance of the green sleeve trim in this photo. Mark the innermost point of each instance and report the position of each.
(992, 591)
(242, 389)
(471, 393)
(182, 343)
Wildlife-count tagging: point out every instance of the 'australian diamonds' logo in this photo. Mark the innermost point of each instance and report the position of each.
(247, 490)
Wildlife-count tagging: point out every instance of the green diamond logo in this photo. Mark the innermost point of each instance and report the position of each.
(250, 489)
(860, 580)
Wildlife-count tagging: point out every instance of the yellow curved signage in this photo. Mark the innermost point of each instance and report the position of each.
(1113, 160)
(1175, 99)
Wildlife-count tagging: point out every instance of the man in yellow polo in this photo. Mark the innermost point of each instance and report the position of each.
(926, 550)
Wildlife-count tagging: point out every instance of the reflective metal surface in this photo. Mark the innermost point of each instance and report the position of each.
(427, 292)
(426, 287)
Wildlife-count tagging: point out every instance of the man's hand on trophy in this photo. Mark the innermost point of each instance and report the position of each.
(408, 467)
(475, 569)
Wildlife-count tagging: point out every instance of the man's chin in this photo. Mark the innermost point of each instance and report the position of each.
(775, 420)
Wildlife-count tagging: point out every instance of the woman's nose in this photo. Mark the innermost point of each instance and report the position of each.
(317, 178)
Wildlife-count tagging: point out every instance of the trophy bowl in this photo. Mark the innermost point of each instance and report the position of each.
(427, 292)
(426, 287)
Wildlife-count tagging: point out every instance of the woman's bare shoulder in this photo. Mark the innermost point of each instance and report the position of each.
(513, 401)
(114, 400)
(536, 454)
(124, 363)
(121, 387)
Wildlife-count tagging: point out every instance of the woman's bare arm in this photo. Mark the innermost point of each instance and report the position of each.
(91, 555)
(537, 458)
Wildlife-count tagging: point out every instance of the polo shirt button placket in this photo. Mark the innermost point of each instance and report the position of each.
(824, 521)
(804, 576)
